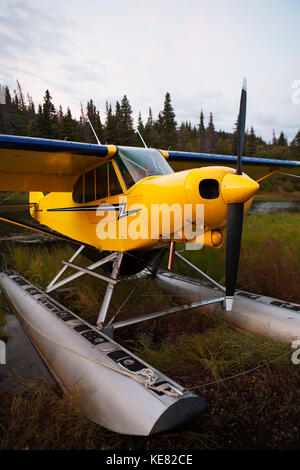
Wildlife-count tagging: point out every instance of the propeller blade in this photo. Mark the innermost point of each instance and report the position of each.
(235, 212)
(241, 127)
(233, 246)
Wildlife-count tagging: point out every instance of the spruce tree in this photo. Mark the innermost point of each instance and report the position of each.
(68, 129)
(35, 128)
(46, 120)
(201, 147)
(150, 119)
(94, 117)
(235, 137)
(183, 136)
(169, 132)
(22, 105)
(211, 136)
(110, 126)
(150, 134)
(30, 114)
(158, 127)
(281, 141)
(126, 132)
(250, 143)
(141, 129)
(19, 112)
(140, 125)
(119, 131)
(6, 115)
(295, 146)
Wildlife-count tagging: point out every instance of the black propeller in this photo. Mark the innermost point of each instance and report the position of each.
(235, 212)
(241, 127)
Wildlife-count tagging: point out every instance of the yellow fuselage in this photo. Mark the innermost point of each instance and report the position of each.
(84, 223)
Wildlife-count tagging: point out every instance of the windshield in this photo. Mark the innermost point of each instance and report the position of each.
(137, 163)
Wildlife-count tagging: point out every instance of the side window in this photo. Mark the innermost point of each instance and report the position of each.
(78, 190)
(89, 186)
(101, 181)
(114, 184)
(97, 184)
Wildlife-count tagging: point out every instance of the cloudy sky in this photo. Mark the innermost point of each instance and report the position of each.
(198, 50)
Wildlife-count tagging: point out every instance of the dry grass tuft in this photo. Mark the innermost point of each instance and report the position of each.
(271, 270)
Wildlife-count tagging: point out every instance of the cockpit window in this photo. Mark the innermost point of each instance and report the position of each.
(97, 184)
(137, 163)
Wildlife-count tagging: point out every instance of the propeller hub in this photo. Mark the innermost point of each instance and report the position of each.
(238, 188)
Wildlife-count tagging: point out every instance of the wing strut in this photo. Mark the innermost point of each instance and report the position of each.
(43, 230)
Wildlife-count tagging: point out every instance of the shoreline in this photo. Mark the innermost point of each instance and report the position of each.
(277, 197)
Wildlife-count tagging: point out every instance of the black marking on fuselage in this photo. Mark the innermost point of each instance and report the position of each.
(100, 207)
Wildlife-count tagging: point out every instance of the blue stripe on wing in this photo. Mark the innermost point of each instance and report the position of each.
(52, 146)
(229, 159)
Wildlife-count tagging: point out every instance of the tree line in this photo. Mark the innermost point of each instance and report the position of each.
(19, 116)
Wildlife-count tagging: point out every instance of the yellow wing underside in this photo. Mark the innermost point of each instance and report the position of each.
(47, 171)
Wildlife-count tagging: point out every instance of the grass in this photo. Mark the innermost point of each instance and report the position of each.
(3, 313)
(270, 245)
(252, 411)
(259, 410)
(13, 198)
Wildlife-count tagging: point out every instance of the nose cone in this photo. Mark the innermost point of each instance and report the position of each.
(238, 188)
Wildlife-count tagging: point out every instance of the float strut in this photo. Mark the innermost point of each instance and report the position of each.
(171, 256)
(48, 288)
(109, 290)
(191, 265)
(158, 262)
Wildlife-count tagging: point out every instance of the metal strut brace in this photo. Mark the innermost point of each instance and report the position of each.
(109, 290)
(191, 265)
(58, 275)
(80, 271)
(158, 261)
(150, 316)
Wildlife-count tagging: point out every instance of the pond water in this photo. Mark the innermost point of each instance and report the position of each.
(267, 207)
(22, 360)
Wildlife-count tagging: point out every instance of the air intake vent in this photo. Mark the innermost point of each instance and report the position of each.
(209, 189)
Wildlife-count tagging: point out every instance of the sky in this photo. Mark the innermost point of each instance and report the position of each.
(197, 50)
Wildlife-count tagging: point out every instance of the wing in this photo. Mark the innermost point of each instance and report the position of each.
(184, 160)
(32, 164)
